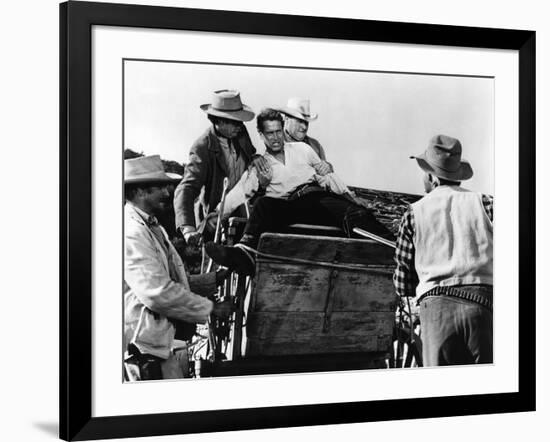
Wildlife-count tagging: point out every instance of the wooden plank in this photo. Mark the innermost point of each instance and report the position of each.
(364, 292)
(342, 344)
(289, 287)
(292, 325)
(321, 248)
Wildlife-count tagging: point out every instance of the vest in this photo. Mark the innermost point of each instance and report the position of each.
(453, 239)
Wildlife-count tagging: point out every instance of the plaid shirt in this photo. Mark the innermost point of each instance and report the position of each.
(405, 277)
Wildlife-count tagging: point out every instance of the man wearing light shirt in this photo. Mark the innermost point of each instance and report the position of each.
(299, 188)
(157, 291)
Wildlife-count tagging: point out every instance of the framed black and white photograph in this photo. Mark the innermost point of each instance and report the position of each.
(293, 215)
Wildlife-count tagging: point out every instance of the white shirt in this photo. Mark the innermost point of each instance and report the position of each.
(298, 169)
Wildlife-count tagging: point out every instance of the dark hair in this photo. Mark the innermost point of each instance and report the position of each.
(268, 115)
(130, 191)
(214, 119)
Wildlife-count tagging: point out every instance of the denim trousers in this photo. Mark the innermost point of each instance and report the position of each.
(456, 331)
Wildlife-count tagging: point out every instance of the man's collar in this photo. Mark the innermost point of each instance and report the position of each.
(150, 220)
(282, 151)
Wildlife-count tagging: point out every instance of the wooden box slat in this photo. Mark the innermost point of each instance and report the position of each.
(322, 248)
(300, 288)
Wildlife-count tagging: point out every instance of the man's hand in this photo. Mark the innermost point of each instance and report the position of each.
(323, 168)
(193, 239)
(223, 309)
(263, 169)
(264, 178)
(260, 164)
(222, 275)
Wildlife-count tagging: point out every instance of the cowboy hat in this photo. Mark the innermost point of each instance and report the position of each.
(442, 158)
(298, 108)
(227, 104)
(174, 176)
(148, 169)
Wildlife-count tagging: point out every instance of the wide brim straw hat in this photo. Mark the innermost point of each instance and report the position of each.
(443, 158)
(227, 104)
(147, 169)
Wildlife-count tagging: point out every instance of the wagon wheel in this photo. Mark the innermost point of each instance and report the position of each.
(406, 345)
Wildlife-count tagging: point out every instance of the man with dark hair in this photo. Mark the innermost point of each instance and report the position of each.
(224, 150)
(156, 289)
(444, 256)
(301, 189)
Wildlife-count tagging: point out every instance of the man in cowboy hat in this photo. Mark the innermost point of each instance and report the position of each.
(223, 150)
(300, 190)
(297, 117)
(444, 256)
(157, 292)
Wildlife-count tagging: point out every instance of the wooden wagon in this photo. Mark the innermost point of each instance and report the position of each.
(318, 302)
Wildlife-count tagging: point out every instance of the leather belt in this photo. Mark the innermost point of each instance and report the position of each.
(486, 300)
(304, 189)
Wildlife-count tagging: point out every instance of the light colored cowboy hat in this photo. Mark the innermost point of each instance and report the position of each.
(174, 176)
(227, 104)
(298, 108)
(442, 158)
(148, 169)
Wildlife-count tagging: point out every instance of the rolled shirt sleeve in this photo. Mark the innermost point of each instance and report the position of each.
(245, 189)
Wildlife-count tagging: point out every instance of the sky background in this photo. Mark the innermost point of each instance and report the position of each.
(369, 122)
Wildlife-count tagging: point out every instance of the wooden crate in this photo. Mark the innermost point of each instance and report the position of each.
(303, 308)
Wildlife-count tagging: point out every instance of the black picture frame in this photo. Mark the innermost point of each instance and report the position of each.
(76, 21)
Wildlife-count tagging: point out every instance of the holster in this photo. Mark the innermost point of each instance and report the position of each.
(142, 367)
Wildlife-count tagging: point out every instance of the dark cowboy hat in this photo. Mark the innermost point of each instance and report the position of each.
(443, 159)
(227, 104)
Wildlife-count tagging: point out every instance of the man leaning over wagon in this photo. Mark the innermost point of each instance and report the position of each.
(444, 256)
(223, 150)
(157, 292)
(301, 189)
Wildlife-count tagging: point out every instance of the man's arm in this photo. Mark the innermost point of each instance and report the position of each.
(321, 152)
(245, 189)
(487, 201)
(152, 285)
(405, 278)
(189, 188)
(321, 167)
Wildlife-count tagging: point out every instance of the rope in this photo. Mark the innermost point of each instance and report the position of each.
(375, 268)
